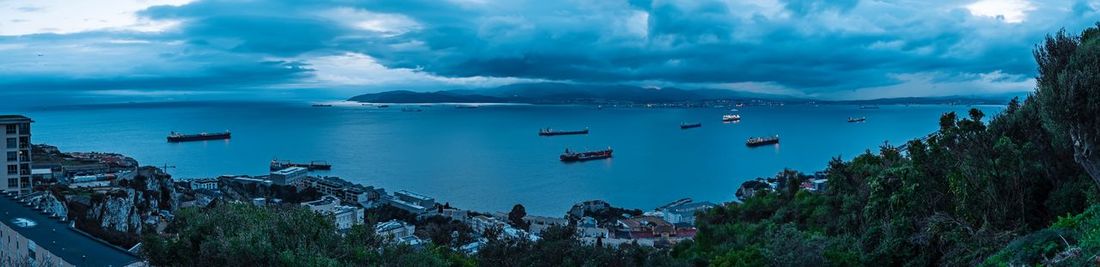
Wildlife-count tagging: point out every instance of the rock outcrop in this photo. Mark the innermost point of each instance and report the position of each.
(50, 203)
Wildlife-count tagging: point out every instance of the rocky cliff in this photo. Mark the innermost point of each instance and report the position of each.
(50, 203)
(123, 213)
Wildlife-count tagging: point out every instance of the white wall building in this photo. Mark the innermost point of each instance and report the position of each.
(208, 184)
(394, 230)
(343, 216)
(289, 176)
(15, 150)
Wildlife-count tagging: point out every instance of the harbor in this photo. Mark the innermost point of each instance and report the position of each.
(456, 154)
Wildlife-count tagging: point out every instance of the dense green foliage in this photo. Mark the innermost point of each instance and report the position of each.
(955, 198)
(559, 246)
(1069, 92)
(246, 235)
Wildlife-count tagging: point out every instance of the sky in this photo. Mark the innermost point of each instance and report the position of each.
(827, 49)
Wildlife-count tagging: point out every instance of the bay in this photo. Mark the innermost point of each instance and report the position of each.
(490, 158)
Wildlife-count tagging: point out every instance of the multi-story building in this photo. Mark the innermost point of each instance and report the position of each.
(207, 184)
(15, 132)
(343, 216)
(29, 237)
(367, 196)
(289, 176)
(394, 229)
(412, 202)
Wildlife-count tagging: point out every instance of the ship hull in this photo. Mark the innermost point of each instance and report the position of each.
(198, 137)
(762, 143)
(552, 133)
(585, 156)
(275, 166)
(689, 126)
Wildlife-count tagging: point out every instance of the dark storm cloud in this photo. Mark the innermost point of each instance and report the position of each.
(812, 47)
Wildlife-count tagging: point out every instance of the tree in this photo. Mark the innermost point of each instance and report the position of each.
(1069, 92)
(515, 217)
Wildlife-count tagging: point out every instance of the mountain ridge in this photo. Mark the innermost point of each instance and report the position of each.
(563, 93)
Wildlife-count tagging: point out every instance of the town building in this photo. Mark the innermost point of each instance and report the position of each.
(684, 213)
(28, 237)
(343, 216)
(592, 206)
(347, 216)
(204, 184)
(412, 202)
(815, 185)
(366, 196)
(39, 175)
(245, 180)
(15, 131)
(537, 224)
(587, 227)
(462, 216)
(394, 229)
(326, 204)
(289, 176)
(645, 227)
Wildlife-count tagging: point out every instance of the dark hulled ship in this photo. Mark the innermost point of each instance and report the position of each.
(684, 126)
(175, 137)
(312, 166)
(552, 132)
(572, 156)
(762, 141)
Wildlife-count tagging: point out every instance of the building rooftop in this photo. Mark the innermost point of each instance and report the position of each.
(289, 171)
(389, 226)
(53, 235)
(691, 207)
(325, 200)
(414, 195)
(5, 119)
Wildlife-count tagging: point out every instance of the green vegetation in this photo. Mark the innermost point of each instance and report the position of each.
(246, 235)
(1018, 190)
(970, 194)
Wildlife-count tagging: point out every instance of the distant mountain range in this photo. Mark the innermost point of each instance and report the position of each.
(563, 93)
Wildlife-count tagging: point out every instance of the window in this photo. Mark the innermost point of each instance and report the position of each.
(13, 156)
(25, 128)
(11, 128)
(13, 169)
(13, 183)
(12, 142)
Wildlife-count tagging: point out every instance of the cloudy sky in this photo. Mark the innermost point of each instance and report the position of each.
(830, 49)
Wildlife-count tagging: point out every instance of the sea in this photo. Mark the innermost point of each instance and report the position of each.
(491, 157)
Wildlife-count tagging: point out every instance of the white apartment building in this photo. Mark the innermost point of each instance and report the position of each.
(15, 133)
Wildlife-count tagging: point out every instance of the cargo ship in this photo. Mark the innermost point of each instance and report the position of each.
(552, 132)
(322, 105)
(731, 117)
(312, 166)
(684, 126)
(761, 141)
(571, 156)
(175, 137)
(860, 119)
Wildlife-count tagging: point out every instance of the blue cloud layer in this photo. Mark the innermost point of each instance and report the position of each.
(840, 49)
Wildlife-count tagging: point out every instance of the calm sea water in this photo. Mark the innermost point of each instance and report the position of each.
(491, 158)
